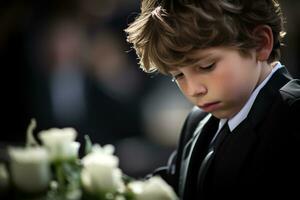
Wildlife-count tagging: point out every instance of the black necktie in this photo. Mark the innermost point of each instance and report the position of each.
(213, 147)
(218, 140)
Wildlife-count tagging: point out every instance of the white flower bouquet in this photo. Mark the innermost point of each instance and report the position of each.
(52, 170)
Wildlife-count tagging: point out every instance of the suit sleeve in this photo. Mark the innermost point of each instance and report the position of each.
(170, 172)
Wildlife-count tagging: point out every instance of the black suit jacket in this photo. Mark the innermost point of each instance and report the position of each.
(259, 159)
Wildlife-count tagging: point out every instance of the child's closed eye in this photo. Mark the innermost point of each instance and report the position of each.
(206, 67)
(177, 76)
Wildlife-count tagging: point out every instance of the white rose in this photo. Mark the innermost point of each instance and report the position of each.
(30, 168)
(4, 178)
(60, 143)
(153, 188)
(100, 171)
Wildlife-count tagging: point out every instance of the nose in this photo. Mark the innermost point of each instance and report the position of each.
(195, 88)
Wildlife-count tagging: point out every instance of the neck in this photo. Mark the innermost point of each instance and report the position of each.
(266, 69)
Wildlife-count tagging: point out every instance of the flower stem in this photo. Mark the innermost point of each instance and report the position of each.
(60, 176)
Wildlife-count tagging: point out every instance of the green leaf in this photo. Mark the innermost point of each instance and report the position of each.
(127, 179)
(30, 140)
(88, 145)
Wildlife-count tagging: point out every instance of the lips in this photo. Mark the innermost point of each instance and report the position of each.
(209, 107)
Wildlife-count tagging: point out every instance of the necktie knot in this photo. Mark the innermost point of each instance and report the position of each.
(220, 136)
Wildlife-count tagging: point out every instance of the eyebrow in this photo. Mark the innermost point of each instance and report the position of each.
(204, 58)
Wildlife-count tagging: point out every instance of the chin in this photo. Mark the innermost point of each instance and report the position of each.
(221, 115)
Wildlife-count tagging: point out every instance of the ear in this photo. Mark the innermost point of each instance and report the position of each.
(264, 36)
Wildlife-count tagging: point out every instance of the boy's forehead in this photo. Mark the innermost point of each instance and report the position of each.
(201, 54)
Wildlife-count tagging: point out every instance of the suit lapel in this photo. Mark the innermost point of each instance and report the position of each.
(231, 156)
(262, 103)
(194, 152)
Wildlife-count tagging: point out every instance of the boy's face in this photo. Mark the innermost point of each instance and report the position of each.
(221, 81)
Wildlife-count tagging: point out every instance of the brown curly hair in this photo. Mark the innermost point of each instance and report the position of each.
(166, 32)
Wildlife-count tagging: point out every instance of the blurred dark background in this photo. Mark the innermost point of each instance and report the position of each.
(67, 63)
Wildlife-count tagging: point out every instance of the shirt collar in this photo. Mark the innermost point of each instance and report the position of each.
(242, 114)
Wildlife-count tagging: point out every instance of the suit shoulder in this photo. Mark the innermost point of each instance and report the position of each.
(194, 117)
(290, 92)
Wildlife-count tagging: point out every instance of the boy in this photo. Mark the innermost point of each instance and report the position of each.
(242, 138)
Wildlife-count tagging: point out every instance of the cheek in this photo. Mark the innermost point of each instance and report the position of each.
(236, 98)
(233, 88)
(182, 89)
